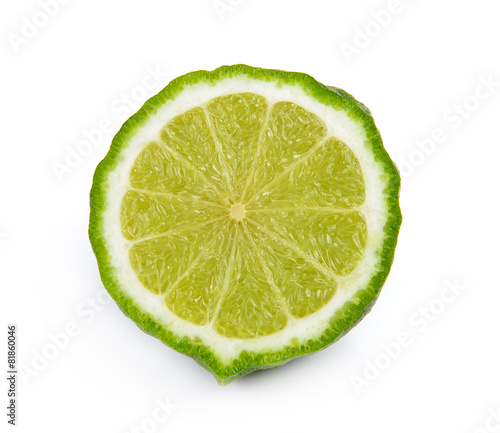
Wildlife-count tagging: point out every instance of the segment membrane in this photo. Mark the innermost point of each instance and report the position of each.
(335, 240)
(331, 177)
(290, 133)
(304, 288)
(159, 262)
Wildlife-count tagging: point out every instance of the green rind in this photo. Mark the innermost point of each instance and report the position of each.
(343, 320)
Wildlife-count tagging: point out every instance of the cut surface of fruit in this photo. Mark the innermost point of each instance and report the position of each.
(246, 217)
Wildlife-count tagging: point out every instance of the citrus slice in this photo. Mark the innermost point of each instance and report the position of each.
(246, 217)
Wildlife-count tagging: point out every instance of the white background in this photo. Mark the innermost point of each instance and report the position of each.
(71, 73)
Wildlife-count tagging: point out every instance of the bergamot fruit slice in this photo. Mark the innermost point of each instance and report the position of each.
(246, 217)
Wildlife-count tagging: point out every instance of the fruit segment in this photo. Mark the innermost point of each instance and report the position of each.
(251, 306)
(237, 121)
(147, 214)
(189, 137)
(159, 169)
(196, 294)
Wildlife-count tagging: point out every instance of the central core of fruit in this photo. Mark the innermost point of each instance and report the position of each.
(237, 211)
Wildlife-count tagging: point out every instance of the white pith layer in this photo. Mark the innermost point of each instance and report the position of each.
(299, 330)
